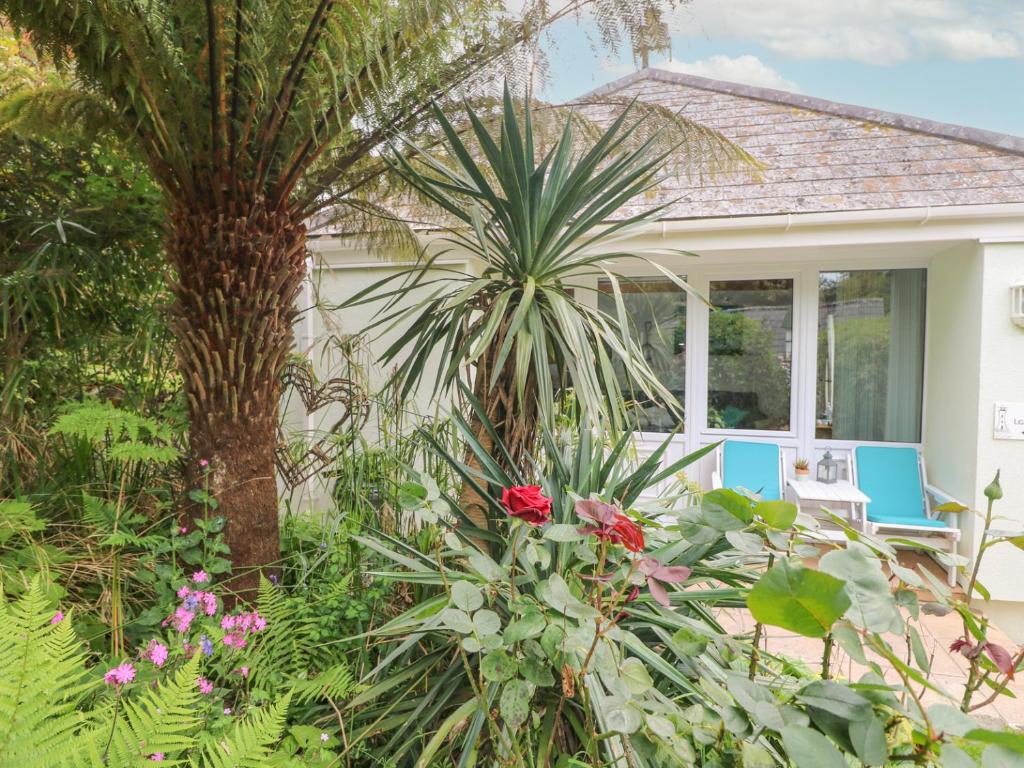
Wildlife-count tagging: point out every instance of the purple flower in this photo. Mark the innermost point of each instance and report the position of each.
(58, 617)
(120, 675)
(324, 737)
(206, 645)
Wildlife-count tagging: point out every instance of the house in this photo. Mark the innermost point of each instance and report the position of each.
(863, 280)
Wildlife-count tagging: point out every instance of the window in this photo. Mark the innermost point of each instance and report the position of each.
(750, 354)
(871, 355)
(657, 309)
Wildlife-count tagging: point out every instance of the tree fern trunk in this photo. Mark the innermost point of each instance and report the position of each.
(239, 274)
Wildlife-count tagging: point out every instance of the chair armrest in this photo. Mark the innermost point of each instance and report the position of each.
(716, 480)
(943, 498)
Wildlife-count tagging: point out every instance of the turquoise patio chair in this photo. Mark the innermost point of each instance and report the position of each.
(749, 466)
(901, 500)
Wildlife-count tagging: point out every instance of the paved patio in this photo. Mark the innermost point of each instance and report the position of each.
(948, 670)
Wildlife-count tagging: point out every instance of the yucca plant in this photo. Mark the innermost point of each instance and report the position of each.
(255, 116)
(536, 222)
(588, 632)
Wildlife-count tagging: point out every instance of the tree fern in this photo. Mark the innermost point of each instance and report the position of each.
(42, 682)
(250, 741)
(260, 119)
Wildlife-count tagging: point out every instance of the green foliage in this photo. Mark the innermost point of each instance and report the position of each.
(120, 435)
(54, 712)
(251, 741)
(799, 599)
(535, 220)
(42, 685)
(80, 257)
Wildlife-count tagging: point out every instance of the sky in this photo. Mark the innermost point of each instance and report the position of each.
(956, 61)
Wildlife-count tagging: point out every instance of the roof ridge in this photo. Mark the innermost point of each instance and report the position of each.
(1002, 141)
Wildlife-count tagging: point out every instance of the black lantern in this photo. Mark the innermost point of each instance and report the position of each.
(828, 468)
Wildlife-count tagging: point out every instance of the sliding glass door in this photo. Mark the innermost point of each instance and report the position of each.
(750, 354)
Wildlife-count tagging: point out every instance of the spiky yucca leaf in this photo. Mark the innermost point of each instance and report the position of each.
(42, 682)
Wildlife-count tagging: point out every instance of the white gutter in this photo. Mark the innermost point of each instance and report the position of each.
(787, 221)
(929, 217)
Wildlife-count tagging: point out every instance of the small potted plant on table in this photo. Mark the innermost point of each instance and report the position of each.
(803, 469)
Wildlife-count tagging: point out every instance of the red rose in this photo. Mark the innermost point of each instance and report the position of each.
(627, 533)
(527, 503)
(610, 524)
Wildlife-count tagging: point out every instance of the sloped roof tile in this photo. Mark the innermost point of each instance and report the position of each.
(820, 155)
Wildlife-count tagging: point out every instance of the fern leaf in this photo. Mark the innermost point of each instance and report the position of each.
(162, 720)
(41, 683)
(250, 741)
(334, 683)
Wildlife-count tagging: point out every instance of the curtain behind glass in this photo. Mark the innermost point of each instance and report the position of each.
(906, 357)
(876, 348)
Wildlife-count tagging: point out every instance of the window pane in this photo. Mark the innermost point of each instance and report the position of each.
(657, 309)
(750, 354)
(871, 354)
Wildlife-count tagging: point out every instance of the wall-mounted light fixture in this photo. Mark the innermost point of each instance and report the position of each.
(1017, 302)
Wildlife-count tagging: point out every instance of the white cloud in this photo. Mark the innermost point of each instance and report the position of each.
(870, 31)
(746, 69)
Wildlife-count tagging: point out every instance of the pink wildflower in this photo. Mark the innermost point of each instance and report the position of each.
(204, 463)
(209, 601)
(58, 617)
(243, 671)
(205, 686)
(183, 530)
(182, 619)
(184, 592)
(120, 675)
(200, 577)
(157, 757)
(324, 737)
(227, 710)
(156, 652)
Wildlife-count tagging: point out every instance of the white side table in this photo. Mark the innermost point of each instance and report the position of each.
(826, 494)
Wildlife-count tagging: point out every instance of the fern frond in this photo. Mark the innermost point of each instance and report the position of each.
(42, 671)
(251, 740)
(282, 650)
(59, 112)
(164, 719)
(334, 683)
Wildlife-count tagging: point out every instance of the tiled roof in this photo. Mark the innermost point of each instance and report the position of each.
(823, 156)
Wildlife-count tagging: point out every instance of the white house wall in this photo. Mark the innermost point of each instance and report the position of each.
(974, 354)
(955, 281)
(1001, 380)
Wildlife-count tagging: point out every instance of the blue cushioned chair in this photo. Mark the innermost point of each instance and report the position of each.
(894, 478)
(754, 467)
